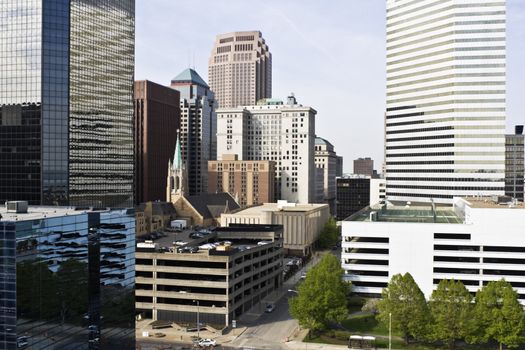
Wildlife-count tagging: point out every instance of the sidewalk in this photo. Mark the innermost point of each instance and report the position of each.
(297, 345)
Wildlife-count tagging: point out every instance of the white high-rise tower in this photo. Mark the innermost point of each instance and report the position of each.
(445, 119)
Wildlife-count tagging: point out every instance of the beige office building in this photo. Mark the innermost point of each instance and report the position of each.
(240, 69)
(302, 223)
(326, 168)
(278, 131)
(250, 182)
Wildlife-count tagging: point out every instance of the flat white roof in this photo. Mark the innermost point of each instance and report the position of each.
(38, 212)
(276, 207)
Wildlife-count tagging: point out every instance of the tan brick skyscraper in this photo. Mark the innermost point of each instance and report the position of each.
(240, 69)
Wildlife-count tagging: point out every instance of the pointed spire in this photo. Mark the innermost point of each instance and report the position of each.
(177, 158)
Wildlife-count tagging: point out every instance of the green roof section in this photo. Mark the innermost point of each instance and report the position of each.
(270, 102)
(189, 76)
(418, 214)
(177, 157)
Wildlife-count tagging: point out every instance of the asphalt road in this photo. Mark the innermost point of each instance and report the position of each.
(269, 330)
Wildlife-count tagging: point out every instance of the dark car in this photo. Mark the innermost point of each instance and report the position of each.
(196, 235)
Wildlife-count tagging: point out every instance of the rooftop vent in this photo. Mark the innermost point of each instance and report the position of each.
(19, 207)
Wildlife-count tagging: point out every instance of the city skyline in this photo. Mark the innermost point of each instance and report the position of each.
(297, 46)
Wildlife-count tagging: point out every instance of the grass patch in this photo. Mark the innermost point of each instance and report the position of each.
(366, 324)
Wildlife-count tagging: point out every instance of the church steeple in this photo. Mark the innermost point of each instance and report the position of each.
(177, 157)
(176, 174)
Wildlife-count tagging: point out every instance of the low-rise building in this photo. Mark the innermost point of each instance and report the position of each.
(354, 192)
(221, 275)
(302, 223)
(153, 216)
(477, 240)
(205, 209)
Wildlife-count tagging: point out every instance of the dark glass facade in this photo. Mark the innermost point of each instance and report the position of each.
(514, 165)
(67, 280)
(353, 194)
(66, 102)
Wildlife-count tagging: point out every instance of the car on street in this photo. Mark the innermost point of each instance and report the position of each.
(269, 308)
(207, 342)
(22, 341)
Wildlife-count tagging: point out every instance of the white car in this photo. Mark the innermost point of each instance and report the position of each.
(207, 342)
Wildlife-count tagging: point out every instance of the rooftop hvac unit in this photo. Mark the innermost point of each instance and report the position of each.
(18, 207)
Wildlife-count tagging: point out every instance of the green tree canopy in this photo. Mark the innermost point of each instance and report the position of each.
(322, 297)
(330, 234)
(498, 315)
(451, 312)
(404, 301)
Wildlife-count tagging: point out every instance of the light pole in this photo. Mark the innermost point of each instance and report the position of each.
(390, 331)
(198, 321)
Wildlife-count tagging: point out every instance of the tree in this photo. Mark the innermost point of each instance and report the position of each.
(498, 315)
(322, 297)
(371, 305)
(451, 312)
(330, 234)
(404, 301)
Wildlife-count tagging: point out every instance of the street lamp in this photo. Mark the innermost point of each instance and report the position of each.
(389, 331)
(198, 321)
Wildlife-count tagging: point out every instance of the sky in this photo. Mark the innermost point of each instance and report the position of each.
(330, 54)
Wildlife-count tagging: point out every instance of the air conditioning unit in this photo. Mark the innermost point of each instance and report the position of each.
(18, 207)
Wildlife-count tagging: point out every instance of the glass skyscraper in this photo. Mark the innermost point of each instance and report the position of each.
(67, 279)
(66, 102)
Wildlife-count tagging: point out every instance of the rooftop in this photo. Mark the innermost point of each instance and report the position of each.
(38, 212)
(489, 202)
(280, 206)
(398, 213)
(211, 205)
(238, 237)
(189, 76)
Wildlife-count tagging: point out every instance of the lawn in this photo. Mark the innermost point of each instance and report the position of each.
(365, 323)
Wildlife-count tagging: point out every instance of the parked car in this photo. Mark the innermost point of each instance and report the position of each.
(207, 342)
(269, 308)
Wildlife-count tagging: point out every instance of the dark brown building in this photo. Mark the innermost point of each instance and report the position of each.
(364, 166)
(157, 118)
(251, 182)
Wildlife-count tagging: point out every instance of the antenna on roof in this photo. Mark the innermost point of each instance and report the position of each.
(193, 60)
